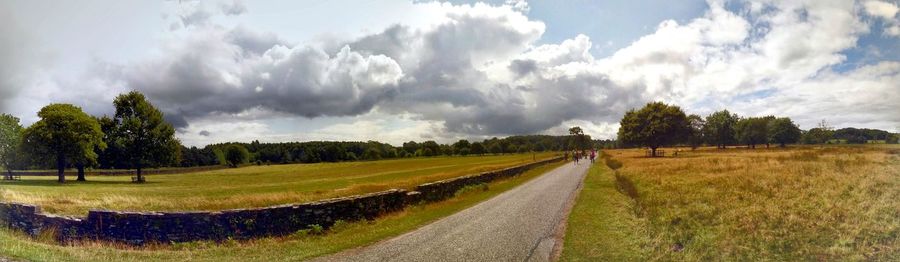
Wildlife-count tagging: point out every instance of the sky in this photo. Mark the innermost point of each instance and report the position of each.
(395, 71)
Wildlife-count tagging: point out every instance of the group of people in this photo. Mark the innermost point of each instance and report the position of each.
(576, 155)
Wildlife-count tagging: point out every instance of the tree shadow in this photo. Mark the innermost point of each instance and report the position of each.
(27, 182)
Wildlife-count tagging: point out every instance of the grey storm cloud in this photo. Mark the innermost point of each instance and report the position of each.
(430, 73)
(209, 75)
(523, 67)
(17, 58)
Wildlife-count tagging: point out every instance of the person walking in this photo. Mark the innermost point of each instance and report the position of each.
(575, 157)
(593, 154)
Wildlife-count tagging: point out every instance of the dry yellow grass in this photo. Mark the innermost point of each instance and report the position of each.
(802, 203)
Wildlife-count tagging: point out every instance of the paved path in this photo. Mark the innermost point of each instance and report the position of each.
(518, 225)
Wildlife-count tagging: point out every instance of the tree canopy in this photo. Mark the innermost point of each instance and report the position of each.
(783, 131)
(236, 155)
(144, 138)
(655, 125)
(695, 138)
(10, 137)
(64, 132)
(752, 131)
(719, 128)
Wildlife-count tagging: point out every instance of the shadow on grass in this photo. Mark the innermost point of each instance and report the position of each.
(29, 182)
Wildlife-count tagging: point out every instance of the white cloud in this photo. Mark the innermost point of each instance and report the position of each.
(519, 5)
(881, 9)
(474, 71)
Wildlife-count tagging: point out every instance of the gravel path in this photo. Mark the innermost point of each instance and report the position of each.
(518, 225)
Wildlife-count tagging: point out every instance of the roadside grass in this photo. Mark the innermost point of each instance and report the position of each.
(602, 225)
(825, 203)
(246, 187)
(300, 246)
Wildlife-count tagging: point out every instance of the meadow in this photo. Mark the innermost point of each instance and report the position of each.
(245, 187)
(302, 245)
(825, 203)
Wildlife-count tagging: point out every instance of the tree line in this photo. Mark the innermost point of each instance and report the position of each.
(658, 124)
(255, 152)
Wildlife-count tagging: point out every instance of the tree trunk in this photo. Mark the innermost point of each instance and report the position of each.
(9, 174)
(140, 178)
(61, 167)
(767, 145)
(80, 167)
(652, 152)
(781, 145)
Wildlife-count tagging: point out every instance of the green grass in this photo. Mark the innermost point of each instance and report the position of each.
(299, 246)
(603, 225)
(824, 203)
(252, 186)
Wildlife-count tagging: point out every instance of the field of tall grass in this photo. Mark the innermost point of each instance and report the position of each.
(832, 203)
(252, 186)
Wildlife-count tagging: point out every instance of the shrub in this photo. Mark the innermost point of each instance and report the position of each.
(612, 163)
(472, 188)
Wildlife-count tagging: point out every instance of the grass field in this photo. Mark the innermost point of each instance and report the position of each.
(833, 203)
(253, 186)
(300, 246)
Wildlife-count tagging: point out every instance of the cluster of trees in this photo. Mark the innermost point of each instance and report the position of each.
(658, 124)
(235, 154)
(862, 135)
(65, 136)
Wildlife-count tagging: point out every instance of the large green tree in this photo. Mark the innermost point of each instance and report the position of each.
(719, 128)
(478, 148)
(10, 139)
(577, 139)
(236, 155)
(64, 132)
(141, 133)
(695, 138)
(655, 125)
(460, 145)
(783, 131)
(752, 131)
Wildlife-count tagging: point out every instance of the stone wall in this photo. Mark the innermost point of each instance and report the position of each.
(444, 189)
(138, 228)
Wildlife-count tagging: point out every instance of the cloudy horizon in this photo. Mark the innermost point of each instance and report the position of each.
(395, 71)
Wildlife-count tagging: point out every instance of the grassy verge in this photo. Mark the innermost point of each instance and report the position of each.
(246, 187)
(603, 225)
(300, 246)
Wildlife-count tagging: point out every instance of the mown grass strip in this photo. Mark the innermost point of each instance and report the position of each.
(603, 226)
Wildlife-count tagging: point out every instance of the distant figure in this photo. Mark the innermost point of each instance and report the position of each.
(576, 156)
(593, 155)
(566, 156)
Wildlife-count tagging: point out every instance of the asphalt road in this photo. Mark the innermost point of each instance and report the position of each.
(517, 225)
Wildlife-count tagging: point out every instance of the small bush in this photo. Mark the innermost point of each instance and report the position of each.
(472, 188)
(613, 164)
(313, 230)
(339, 225)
